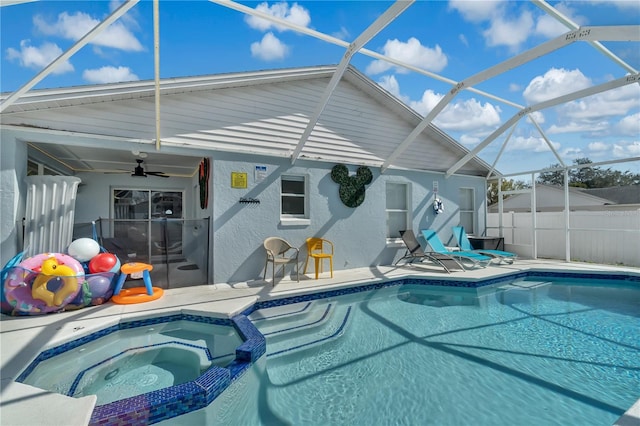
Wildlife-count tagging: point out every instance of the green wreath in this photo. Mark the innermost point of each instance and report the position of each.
(352, 188)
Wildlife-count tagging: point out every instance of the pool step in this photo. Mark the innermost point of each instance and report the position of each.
(271, 320)
(290, 330)
(293, 341)
(521, 291)
(525, 285)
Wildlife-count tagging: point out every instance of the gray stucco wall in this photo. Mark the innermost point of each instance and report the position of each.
(13, 169)
(238, 230)
(359, 234)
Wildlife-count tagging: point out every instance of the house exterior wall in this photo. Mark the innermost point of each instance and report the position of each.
(359, 234)
(238, 230)
(13, 168)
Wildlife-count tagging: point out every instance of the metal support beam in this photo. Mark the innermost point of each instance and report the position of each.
(567, 227)
(544, 136)
(506, 141)
(333, 40)
(523, 58)
(550, 10)
(124, 8)
(156, 63)
(629, 79)
(385, 19)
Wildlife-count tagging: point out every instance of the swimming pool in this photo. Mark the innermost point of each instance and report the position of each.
(538, 350)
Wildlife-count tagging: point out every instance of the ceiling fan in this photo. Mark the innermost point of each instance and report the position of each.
(140, 172)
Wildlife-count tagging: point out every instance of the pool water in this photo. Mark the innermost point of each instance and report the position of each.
(138, 360)
(527, 352)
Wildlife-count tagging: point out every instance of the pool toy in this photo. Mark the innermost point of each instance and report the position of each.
(51, 268)
(104, 262)
(83, 249)
(133, 295)
(53, 289)
(136, 294)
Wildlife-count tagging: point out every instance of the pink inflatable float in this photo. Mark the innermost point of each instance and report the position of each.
(43, 283)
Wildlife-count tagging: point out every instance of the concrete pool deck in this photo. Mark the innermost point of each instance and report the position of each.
(23, 338)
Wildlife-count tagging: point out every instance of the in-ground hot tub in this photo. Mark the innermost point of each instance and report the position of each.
(152, 369)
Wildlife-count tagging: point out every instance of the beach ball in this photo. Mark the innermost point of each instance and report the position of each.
(104, 262)
(83, 249)
(99, 286)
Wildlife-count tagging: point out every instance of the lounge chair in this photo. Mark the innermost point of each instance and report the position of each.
(438, 247)
(414, 252)
(463, 242)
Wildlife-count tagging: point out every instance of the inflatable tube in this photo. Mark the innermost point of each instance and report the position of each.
(129, 296)
(36, 287)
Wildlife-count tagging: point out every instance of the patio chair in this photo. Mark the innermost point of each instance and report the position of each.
(280, 252)
(437, 246)
(463, 242)
(319, 249)
(414, 252)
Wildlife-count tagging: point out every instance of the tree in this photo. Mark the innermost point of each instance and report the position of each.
(588, 176)
(507, 185)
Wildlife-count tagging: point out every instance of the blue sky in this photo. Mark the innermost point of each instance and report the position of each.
(454, 39)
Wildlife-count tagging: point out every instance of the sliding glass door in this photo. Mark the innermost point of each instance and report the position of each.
(148, 222)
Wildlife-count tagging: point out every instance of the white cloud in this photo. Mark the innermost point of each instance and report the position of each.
(465, 116)
(475, 11)
(413, 53)
(572, 153)
(629, 125)
(391, 85)
(509, 32)
(579, 127)
(625, 150)
(548, 26)
(555, 82)
(269, 48)
(620, 4)
(75, 26)
(429, 100)
(39, 57)
(533, 144)
(597, 146)
(109, 74)
(463, 39)
(295, 14)
(342, 34)
(538, 116)
(606, 104)
(469, 116)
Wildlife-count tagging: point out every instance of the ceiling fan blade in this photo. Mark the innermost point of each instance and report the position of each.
(158, 174)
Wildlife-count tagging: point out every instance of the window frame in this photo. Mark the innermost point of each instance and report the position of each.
(409, 219)
(472, 211)
(293, 219)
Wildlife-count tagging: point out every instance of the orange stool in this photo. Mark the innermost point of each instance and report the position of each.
(135, 295)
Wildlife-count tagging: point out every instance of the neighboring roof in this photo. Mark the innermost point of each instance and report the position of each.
(551, 198)
(617, 194)
(263, 113)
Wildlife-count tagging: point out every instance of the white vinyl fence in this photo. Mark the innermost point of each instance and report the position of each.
(608, 237)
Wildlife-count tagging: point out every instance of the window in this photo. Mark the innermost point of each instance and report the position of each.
(139, 220)
(467, 211)
(34, 169)
(397, 209)
(294, 197)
